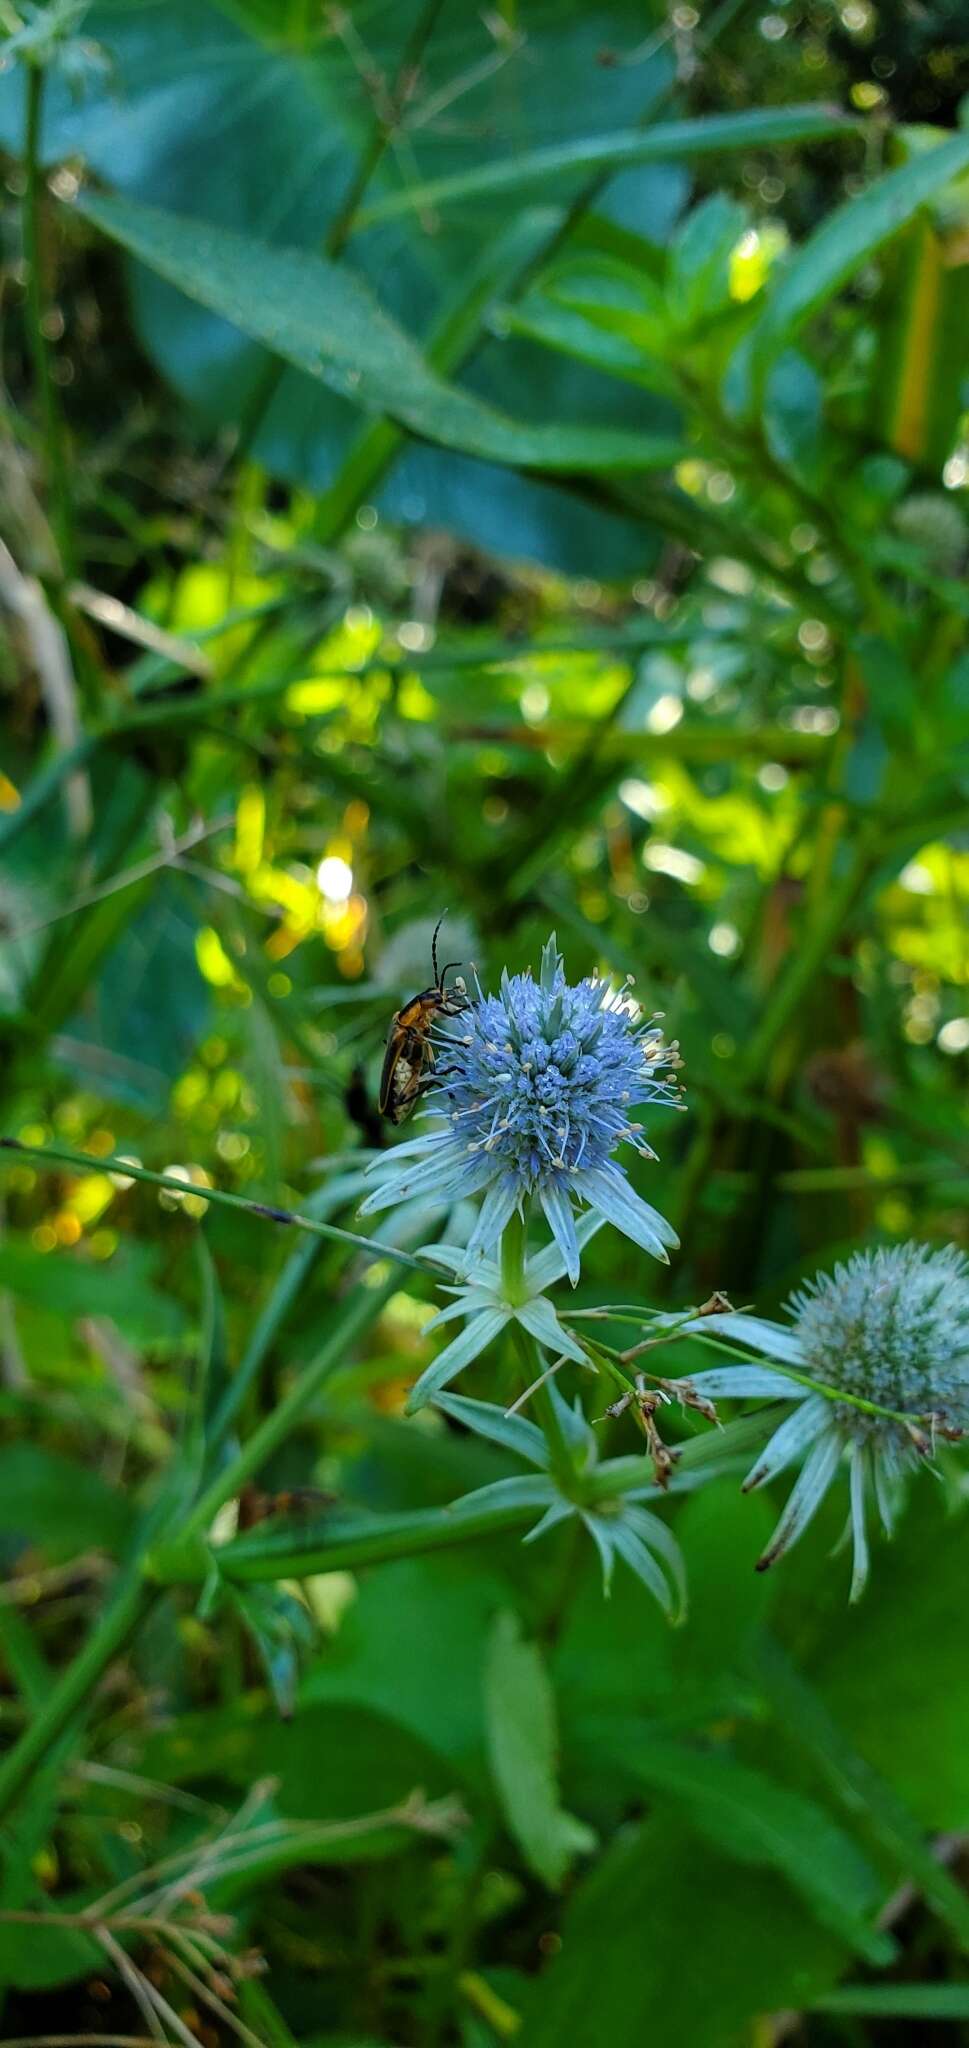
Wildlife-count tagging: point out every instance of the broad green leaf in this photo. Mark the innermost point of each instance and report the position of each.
(868, 1797)
(793, 416)
(332, 1760)
(64, 1283)
(58, 1504)
(893, 691)
(849, 238)
(523, 1748)
(455, 333)
(667, 141)
(323, 318)
(54, 1954)
(443, 1605)
(717, 1952)
(758, 1821)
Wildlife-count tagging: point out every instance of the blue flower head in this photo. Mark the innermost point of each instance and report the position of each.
(537, 1088)
(889, 1331)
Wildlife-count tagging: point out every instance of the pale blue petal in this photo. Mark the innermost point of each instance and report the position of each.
(451, 1174)
(856, 1479)
(453, 1257)
(513, 1432)
(499, 1205)
(538, 1317)
(806, 1496)
(774, 1339)
(889, 1486)
(455, 1356)
(472, 1302)
(740, 1383)
(796, 1432)
(633, 1551)
(548, 1265)
(661, 1541)
(561, 1222)
(409, 1148)
(513, 1494)
(601, 1534)
(559, 1511)
(609, 1191)
(575, 1429)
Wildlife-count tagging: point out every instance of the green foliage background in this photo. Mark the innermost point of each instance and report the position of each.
(511, 463)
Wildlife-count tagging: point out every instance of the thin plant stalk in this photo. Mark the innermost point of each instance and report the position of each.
(51, 421)
(512, 1260)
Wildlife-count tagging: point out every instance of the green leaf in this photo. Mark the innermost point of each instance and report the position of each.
(512, 1432)
(793, 418)
(759, 1822)
(283, 1632)
(523, 1747)
(323, 318)
(69, 1284)
(698, 283)
(898, 2001)
(893, 691)
(446, 1606)
(845, 241)
(717, 1951)
(59, 1504)
(769, 128)
(806, 1717)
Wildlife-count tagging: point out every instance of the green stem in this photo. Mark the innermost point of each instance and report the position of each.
(362, 1308)
(515, 1290)
(543, 1405)
(304, 1550)
(131, 1601)
(61, 519)
(514, 1286)
(135, 1592)
(808, 960)
(89, 1162)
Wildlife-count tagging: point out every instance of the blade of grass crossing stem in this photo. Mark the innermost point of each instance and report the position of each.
(668, 141)
(369, 1247)
(453, 338)
(860, 1788)
(293, 1278)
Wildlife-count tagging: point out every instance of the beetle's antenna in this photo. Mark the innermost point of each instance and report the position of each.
(437, 927)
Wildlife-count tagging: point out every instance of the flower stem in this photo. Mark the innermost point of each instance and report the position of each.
(61, 519)
(118, 1622)
(514, 1286)
(135, 1593)
(515, 1289)
(86, 1162)
(336, 1542)
(360, 1310)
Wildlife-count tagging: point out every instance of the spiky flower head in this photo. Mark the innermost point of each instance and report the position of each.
(537, 1088)
(891, 1327)
(888, 1331)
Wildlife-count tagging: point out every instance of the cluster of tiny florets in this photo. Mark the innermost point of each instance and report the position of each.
(544, 1076)
(890, 1326)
